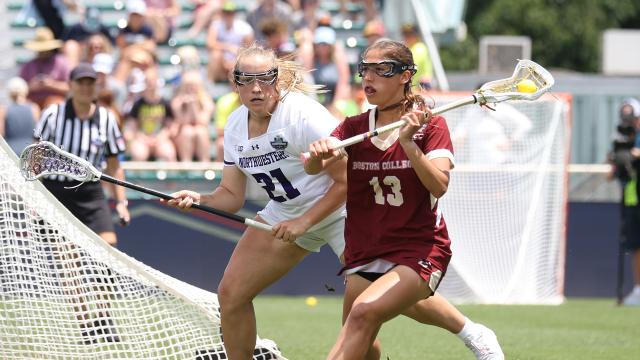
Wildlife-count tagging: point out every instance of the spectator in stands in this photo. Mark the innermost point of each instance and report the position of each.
(411, 37)
(51, 13)
(355, 104)
(268, 9)
(275, 33)
(162, 16)
(76, 37)
(373, 31)
(48, 72)
(96, 44)
(330, 68)
(203, 12)
(226, 35)
(149, 126)
(189, 58)
(370, 11)
(103, 65)
(137, 31)
(309, 15)
(225, 105)
(192, 109)
(133, 40)
(18, 119)
(111, 93)
(133, 71)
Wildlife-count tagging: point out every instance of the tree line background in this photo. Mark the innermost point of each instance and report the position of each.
(565, 34)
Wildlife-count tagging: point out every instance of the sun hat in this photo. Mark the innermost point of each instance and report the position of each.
(136, 7)
(43, 41)
(229, 6)
(103, 63)
(324, 35)
(17, 86)
(373, 27)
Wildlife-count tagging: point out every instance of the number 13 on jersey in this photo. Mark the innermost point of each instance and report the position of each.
(394, 198)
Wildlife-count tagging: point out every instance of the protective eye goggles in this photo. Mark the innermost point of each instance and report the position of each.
(268, 77)
(384, 68)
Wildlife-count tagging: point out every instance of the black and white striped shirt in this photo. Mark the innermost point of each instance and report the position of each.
(93, 139)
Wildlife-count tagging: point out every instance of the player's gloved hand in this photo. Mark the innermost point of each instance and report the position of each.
(290, 230)
(183, 199)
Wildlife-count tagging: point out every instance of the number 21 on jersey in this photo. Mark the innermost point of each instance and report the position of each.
(267, 183)
(394, 198)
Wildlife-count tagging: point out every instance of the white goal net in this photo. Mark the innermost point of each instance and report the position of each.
(506, 206)
(65, 294)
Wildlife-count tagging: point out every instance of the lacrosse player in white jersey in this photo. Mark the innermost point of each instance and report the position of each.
(262, 142)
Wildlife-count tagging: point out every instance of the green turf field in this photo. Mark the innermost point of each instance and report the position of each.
(579, 329)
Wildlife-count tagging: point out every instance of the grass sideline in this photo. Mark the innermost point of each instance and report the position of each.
(578, 329)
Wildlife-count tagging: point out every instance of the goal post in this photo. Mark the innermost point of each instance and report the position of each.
(506, 207)
(66, 294)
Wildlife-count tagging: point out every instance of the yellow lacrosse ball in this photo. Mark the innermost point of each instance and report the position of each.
(311, 301)
(527, 86)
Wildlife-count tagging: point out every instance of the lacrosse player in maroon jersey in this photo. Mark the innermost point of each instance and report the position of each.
(397, 247)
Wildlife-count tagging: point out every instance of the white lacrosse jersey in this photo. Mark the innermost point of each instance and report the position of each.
(273, 159)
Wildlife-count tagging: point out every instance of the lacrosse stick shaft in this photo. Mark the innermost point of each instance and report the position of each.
(394, 125)
(210, 210)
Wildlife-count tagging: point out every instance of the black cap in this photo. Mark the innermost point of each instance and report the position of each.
(83, 70)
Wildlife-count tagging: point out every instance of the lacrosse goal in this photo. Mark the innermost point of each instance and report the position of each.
(506, 206)
(66, 294)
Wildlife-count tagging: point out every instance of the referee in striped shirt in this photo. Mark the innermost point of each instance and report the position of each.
(81, 127)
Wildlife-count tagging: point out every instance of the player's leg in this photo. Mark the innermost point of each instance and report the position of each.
(632, 244)
(109, 237)
(437, 311)
(258, 260)
(383, 300)
(633, 298)
(355, 286)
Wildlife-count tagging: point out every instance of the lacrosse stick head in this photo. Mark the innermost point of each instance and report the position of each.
(44, 158)
(526, 72)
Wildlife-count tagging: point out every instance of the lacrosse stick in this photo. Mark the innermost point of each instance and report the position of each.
(44, 158)
(528, 82)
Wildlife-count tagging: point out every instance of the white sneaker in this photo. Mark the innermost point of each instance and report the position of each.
(633, 299)
(484, 344)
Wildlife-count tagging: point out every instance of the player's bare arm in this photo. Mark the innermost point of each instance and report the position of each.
(228, 196)
(335, 196)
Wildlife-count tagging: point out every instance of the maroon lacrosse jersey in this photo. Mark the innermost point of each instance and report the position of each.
(390, 214)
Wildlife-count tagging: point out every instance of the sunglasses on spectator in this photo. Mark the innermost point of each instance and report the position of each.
(384, 68)
(268, 77)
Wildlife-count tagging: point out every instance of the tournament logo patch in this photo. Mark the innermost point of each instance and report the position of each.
(278, 143)
(239, 148)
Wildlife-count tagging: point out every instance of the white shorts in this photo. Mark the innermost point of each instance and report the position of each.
(328, 231)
